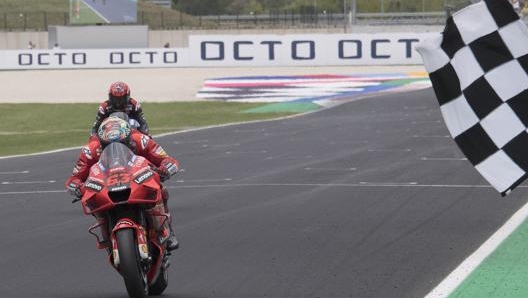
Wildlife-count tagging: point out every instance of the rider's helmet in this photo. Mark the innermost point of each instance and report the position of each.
(114, 129)
(121, 115)
(119, 95)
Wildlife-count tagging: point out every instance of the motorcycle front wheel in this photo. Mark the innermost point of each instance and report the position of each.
(161, 283)
(129, 264)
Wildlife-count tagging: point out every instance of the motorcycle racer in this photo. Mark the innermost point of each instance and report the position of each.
(119, 100)
(114, 129)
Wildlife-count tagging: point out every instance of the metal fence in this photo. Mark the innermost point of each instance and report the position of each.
(322, 20)
(35, 21)
(39, 21)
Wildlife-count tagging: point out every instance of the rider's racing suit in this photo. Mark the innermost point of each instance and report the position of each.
(133, 110)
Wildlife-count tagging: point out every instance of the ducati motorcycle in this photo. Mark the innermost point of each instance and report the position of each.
(123, 193)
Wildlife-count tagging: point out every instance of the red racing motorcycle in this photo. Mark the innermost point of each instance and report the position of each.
(123, 192)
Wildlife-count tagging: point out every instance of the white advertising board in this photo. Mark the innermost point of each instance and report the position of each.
(103, 58)
(235, 51)
(306, 50)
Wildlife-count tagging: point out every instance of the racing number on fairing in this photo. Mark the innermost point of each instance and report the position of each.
(118, 178)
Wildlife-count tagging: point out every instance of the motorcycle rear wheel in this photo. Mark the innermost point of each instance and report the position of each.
(129, 265)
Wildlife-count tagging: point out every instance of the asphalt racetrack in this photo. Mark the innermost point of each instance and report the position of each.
(367, 199)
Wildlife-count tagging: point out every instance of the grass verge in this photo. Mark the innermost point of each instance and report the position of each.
(30, 128)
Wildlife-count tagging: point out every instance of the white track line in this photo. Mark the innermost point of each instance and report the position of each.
(349, 185)
(457, 276)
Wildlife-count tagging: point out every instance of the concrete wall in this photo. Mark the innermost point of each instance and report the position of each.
(97, 37)
(20, 40)
(179, 38)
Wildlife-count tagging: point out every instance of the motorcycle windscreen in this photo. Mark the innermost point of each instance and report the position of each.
(116, 161)
(116, 156)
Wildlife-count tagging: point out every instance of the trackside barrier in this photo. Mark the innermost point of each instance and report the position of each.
(235, 51)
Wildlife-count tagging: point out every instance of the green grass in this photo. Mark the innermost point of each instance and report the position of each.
(30, 128)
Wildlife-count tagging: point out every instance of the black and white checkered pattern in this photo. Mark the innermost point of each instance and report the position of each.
(478, 67)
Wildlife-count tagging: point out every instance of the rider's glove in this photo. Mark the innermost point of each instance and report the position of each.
(76, 189)
(166, 170)
(163, 173)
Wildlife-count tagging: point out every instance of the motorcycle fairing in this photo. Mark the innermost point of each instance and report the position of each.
(120, 177)
(141, 237)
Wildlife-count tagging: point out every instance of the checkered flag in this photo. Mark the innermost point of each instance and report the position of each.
(478, 67)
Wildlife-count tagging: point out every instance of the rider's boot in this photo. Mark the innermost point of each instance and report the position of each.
(172, 242)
